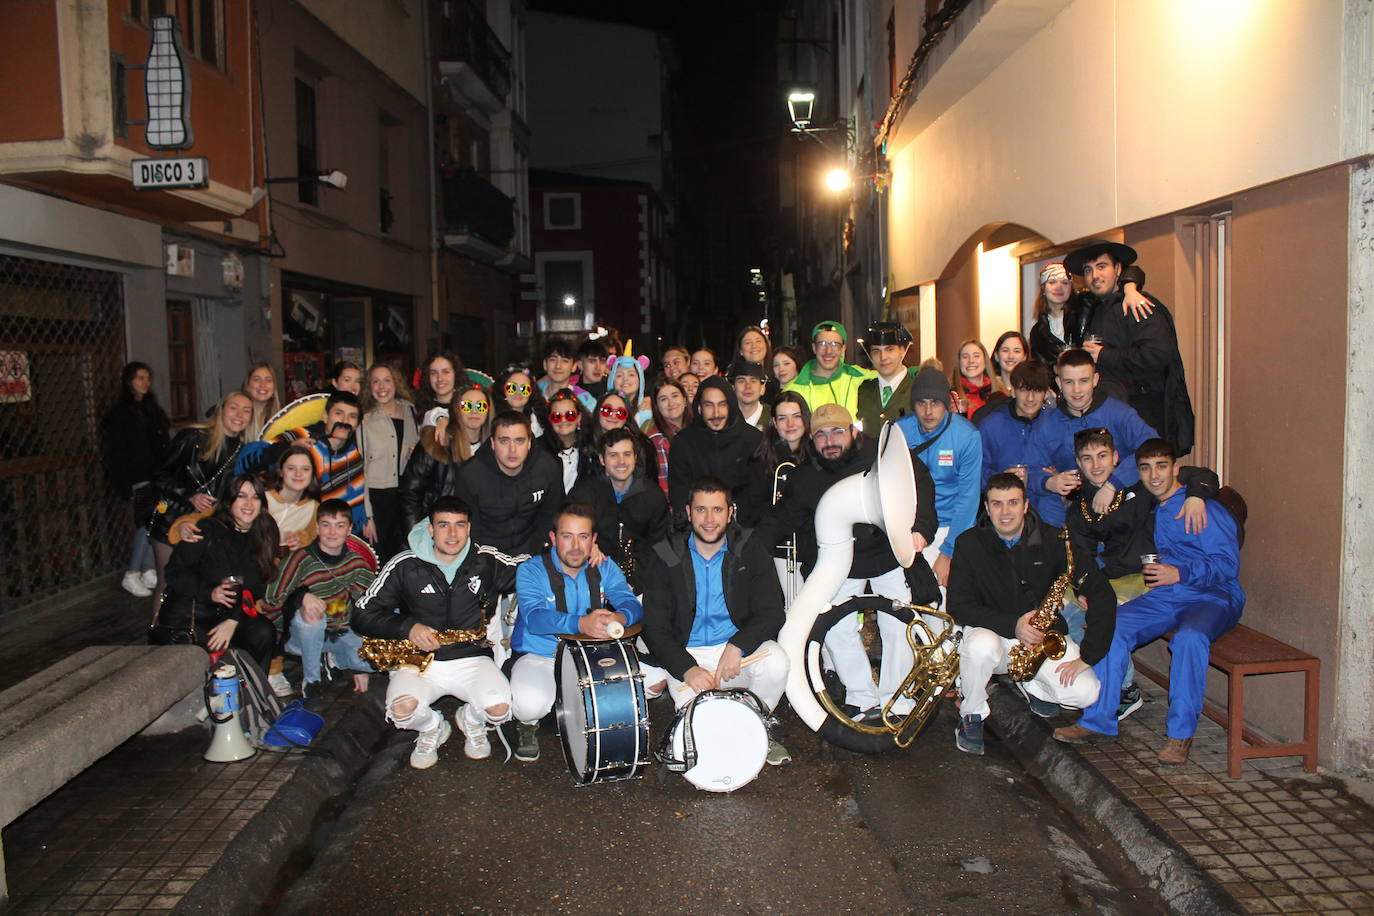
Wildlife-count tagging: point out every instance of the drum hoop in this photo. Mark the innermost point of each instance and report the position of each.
(577, 660)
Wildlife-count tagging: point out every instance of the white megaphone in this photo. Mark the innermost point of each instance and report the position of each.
(229, 742)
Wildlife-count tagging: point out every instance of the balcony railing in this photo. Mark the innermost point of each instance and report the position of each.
(465, 37)
(472, 206)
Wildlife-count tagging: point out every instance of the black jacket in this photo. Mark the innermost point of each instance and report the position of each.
(1121, 535)
(184, 473)
(1046, 347)
(411, 590)
(133, 442)
(430, 473)
(873, 556)
(196, 568)
(643, 513)
(752, 595)
(512, 514)
(992, 585)
(1140, 364)
(699, 451)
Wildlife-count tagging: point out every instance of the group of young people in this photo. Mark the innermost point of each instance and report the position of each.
(480, 518)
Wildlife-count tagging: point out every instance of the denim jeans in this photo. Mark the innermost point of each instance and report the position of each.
(1077, 619)
(311, 640)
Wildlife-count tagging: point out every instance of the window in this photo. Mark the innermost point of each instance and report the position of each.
(562, 211)
(386, 199)
(307, 151)
(205, 30)
(567, 299)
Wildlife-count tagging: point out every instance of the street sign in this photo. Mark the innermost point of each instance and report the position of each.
(156, 174)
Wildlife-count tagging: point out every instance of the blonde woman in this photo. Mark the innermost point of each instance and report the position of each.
(433, 468)
(262, 389)
(387, 436)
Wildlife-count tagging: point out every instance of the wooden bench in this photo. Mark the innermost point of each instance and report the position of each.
(65, 718)
(1245, 651)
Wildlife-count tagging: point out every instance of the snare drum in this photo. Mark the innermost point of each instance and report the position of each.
(719, 741)
(603, 717)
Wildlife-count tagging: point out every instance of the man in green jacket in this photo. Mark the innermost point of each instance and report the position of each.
(828, 379)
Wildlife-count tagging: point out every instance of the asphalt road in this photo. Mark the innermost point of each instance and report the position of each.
(925, 830)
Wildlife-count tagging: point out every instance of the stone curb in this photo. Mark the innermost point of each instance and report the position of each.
(250, 867)
(1106, 814)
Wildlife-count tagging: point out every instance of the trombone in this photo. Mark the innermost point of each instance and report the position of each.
(790, 583)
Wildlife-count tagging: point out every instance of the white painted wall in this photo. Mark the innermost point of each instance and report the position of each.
(999, 305)
(1115, 111)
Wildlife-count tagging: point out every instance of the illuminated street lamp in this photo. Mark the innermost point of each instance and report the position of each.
(800, 104)
(837, 180)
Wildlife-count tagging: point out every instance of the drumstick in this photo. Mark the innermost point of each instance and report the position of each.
(756, 657)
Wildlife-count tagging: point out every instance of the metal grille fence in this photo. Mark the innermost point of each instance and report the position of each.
(62, 337)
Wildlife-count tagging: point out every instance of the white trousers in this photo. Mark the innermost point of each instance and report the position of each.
(533, 686)
(476, 681)
(932, 553)
(983, 653)
(767, 677)
(845, 644)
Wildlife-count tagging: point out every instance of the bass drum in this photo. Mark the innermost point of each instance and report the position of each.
(719, 741)
(602, 714)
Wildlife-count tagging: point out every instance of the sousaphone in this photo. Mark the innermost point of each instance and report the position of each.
(883, 496)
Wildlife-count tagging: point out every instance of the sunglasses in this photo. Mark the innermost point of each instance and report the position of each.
(474, 406)
(614, 413)
(522, 391)
(564, 416)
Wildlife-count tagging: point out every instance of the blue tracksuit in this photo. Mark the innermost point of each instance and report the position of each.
(538, 623)
(1205, 603)
(1051, 445)
(955, 461)
(1006, 439)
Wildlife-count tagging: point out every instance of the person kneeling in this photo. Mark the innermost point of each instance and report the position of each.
(547, 588)
(711, 598)
(1001, 572)
(314, 589)
(444, 581)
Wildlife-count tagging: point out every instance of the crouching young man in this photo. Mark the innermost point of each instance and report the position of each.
(1000, 573)
(443, 582)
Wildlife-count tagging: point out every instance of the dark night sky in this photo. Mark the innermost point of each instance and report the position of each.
(727, 118)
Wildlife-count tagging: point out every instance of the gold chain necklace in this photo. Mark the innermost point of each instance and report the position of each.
(1115, 504)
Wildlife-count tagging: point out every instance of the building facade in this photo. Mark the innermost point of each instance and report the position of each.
(1230, 145)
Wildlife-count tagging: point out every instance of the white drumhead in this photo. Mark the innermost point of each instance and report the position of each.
(731, 742)
(573, 709)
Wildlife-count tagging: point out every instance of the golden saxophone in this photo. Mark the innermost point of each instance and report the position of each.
(390, 654)
(1024, 661)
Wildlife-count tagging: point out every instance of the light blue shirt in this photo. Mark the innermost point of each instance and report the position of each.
(712, 624)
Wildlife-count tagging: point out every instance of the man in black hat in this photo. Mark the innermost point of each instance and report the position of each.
(1137, 358)
(888, 396)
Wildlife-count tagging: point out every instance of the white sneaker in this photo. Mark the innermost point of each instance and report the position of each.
(133, 584)
(149, 577)
(279, 684)
(426, 752)
(476, 745)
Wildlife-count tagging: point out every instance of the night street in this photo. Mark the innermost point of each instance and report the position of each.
(928, 830)
(374, 374)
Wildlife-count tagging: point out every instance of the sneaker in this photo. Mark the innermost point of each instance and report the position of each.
(133, 584)
(477, 745)
(968, 736)
(1131, 700)
(1042, 708)
(1077, 734)
(1175, 751)
(426, 752)
(149, 577)
(279, 684)
(777, 754)
(527, 741)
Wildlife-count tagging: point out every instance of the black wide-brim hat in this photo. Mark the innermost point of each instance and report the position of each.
(1123, 254)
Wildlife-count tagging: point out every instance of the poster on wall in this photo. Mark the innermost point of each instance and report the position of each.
(14, 377)
(305, 373)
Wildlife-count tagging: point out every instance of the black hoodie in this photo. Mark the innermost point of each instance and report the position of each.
(512, 514)
(699, 451)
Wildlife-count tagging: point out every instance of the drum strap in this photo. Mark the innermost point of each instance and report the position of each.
(560, 598)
